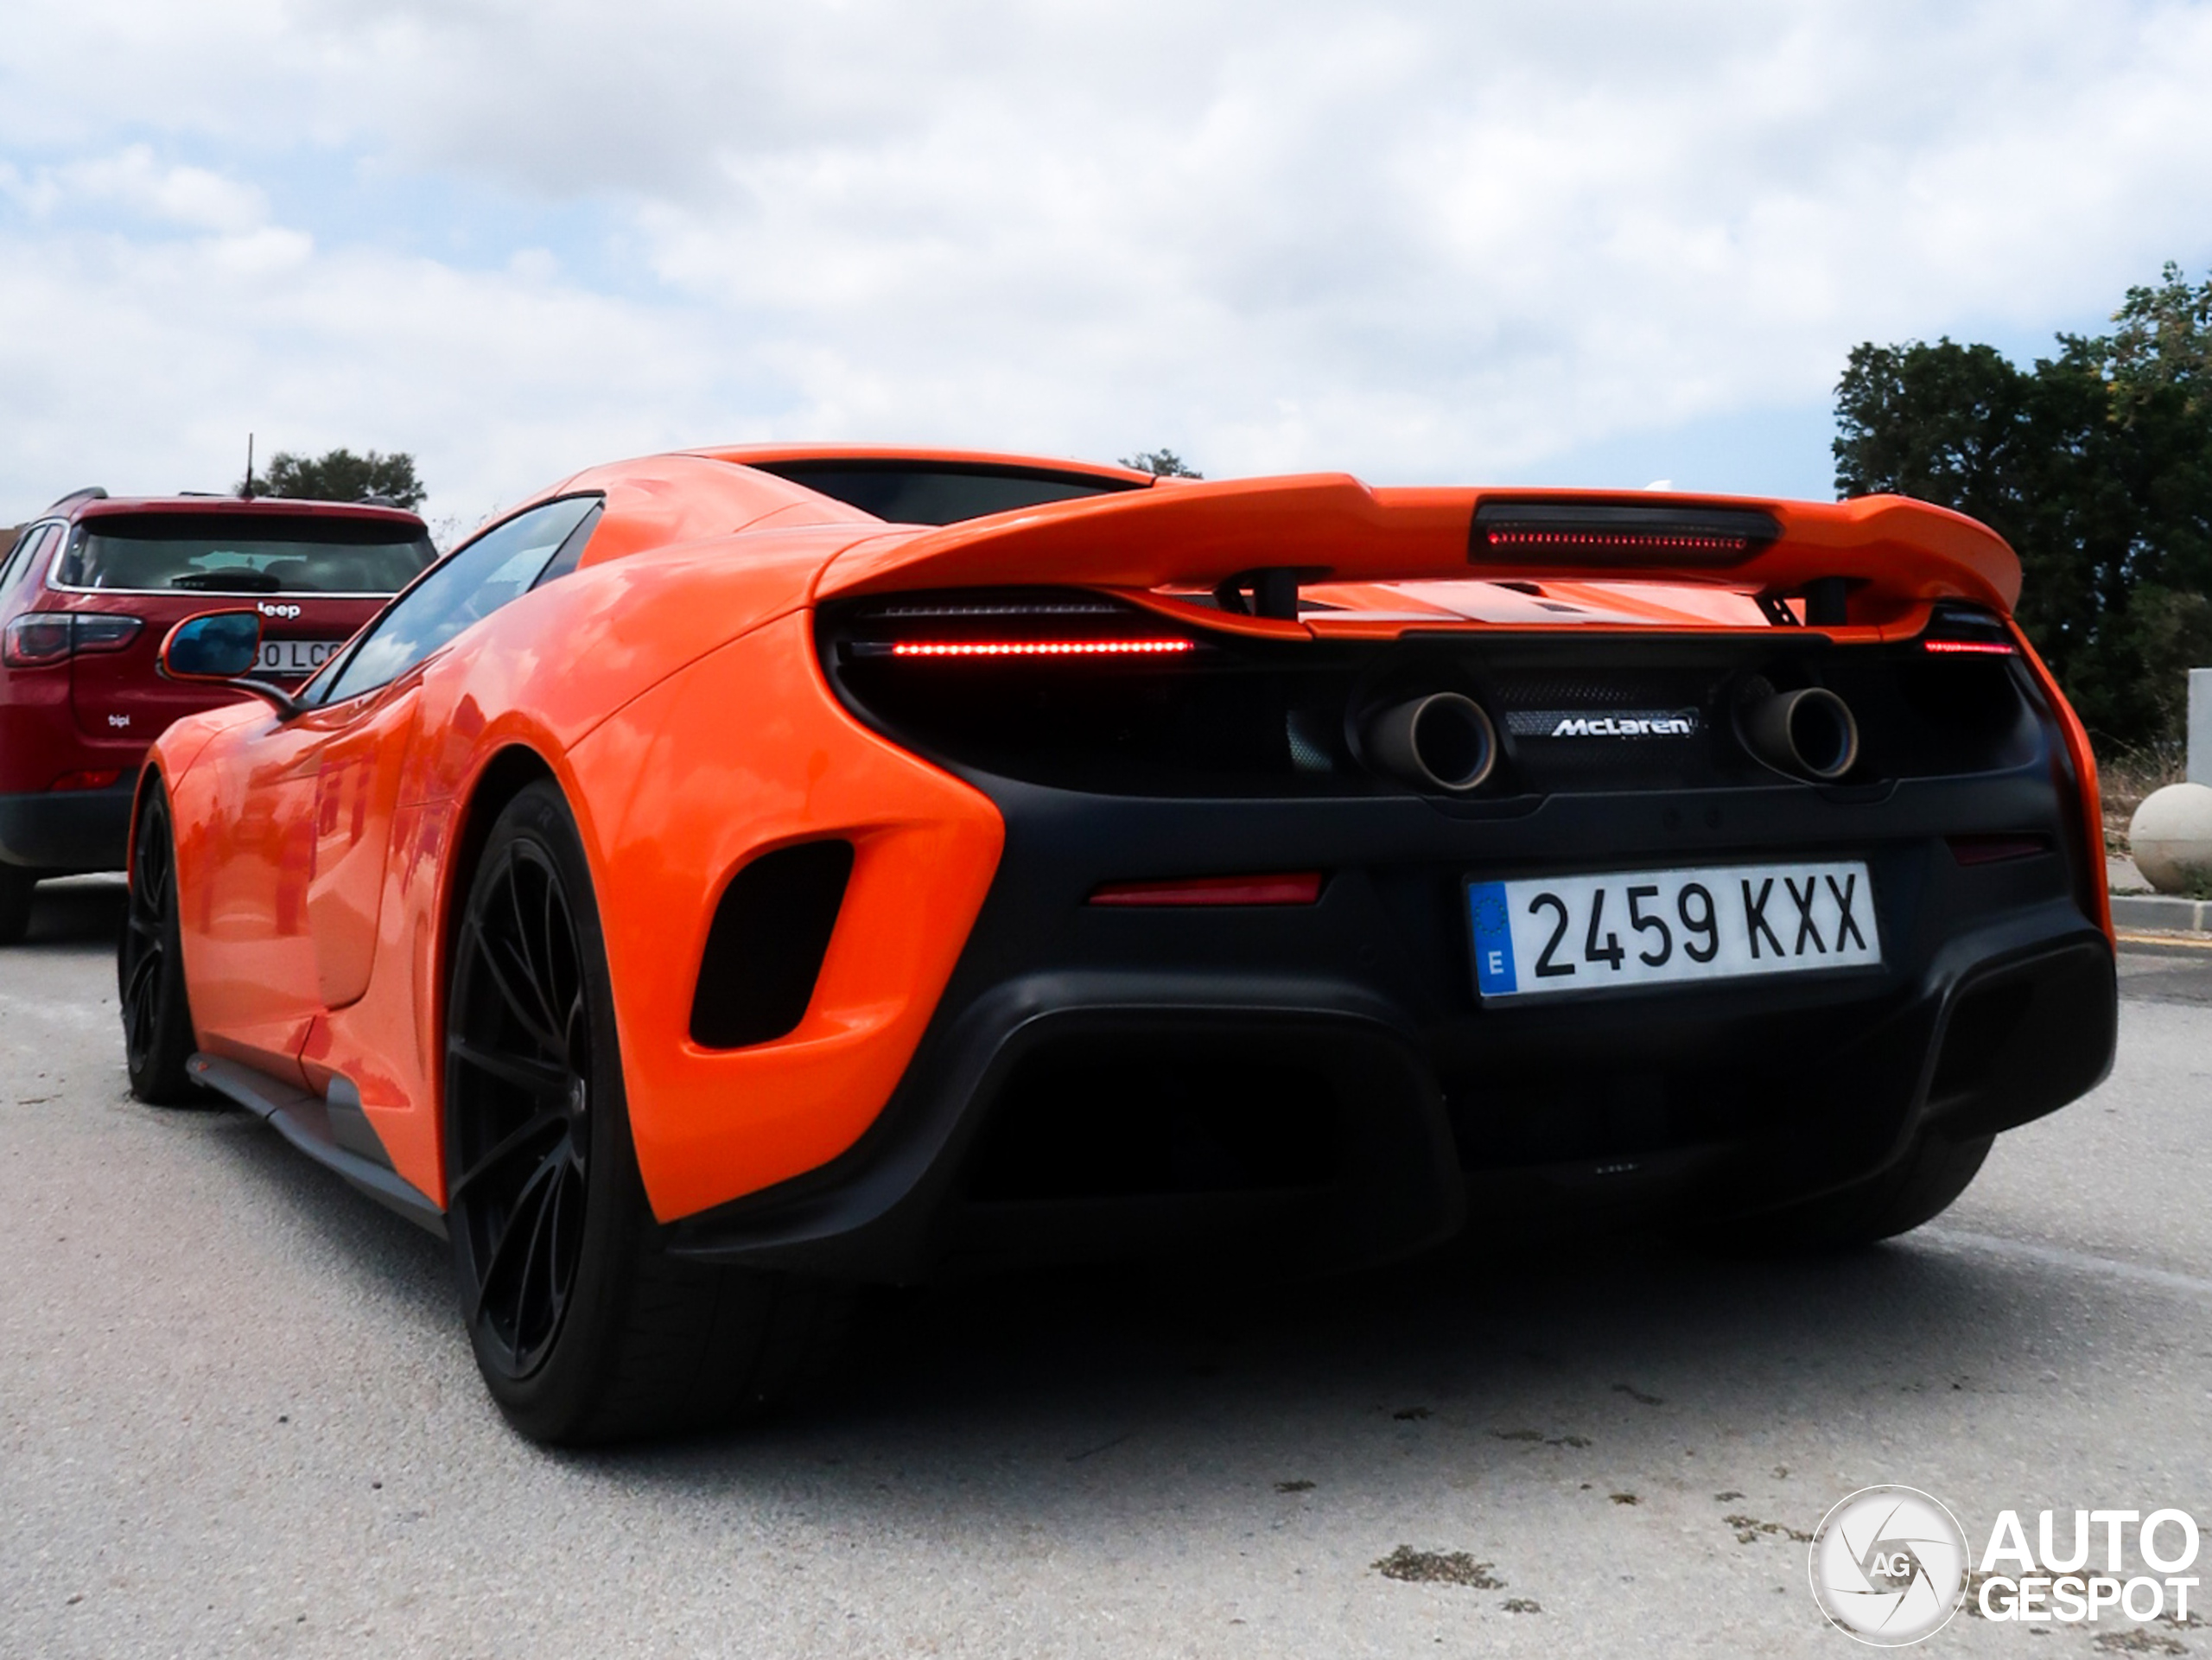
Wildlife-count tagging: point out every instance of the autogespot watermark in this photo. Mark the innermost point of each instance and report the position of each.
(1890, 1566)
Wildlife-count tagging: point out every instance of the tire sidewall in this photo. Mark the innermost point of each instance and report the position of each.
(554, 1400)
(158, 1075)
(15, 885)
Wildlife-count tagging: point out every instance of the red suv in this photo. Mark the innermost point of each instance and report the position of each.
(87, 594)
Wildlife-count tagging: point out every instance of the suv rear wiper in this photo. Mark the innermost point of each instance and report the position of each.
(240, 580)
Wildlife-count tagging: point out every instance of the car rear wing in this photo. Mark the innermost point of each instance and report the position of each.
(1231, 555)
(1879, 561)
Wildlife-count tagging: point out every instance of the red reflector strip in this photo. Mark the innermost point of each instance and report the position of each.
(1302, 888)
(1042, 647)
(1995, 849)
(1972, 647)
(95, 780)
(1515, 536)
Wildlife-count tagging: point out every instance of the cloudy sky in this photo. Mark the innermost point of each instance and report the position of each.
(1588, 241)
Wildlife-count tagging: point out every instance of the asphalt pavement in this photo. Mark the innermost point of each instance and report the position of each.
(238, 1415)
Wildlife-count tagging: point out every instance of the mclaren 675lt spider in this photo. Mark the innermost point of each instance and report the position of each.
(743, 876)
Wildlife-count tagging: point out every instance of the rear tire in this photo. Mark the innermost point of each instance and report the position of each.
(1918, 1188)
(585, 1328)
(150, 965)
(15, 885)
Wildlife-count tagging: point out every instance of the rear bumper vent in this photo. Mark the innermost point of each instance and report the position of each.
(766, 946)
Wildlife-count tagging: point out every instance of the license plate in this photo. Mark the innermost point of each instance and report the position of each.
(296, 656)
(1669, 927)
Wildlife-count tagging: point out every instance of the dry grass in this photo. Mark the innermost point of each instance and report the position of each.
(2124, 775)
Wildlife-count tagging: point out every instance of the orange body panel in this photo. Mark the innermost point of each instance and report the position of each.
(712, 1125)
(247, 836)
(2084, 760)
(386, 1043)
(670, 685)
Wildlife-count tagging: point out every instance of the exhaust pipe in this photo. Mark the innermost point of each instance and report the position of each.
(1442, 742)
(1811, 732)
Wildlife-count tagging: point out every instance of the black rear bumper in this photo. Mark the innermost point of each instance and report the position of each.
(1319, 1084)
(58, 831)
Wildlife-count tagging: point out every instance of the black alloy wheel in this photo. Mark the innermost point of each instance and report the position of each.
(149, 965)
(519, 1093)
(587, 1328)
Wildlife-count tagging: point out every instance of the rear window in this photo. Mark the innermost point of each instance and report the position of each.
(255, 553)
(922, 492)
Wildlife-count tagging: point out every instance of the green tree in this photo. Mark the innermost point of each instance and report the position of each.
(2095, 464)
(339, 475)
(1161, 464)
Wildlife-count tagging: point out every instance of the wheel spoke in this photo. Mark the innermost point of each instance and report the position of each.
(487, 953)
(534, 973)
(503, 1149)
(538, 1076)
(540, 1226)
(531, 1196)
(153, 860)
(142, 974)
(517, 1056)
(561, 973)
(138, 998)
(556, 1281)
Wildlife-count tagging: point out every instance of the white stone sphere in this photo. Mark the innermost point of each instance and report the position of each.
(2170, 836)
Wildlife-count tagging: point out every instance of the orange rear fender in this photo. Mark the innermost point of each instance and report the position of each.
(744, 752)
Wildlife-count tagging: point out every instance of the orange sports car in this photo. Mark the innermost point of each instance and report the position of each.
(741, 876)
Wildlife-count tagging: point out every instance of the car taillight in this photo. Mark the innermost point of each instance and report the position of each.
(1163, 646)
(1570, 533)
(1300, 888)
(1009, 626)
(1961, 631)
(104, 633)
(39, 638)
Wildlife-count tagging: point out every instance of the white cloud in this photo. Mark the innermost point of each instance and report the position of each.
(1420, 240)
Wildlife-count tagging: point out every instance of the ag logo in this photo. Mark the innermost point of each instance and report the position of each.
(1889, 1566)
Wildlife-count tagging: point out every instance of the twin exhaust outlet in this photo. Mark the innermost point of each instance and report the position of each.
(1445, 742)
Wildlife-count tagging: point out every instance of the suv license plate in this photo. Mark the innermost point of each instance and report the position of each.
(1666, 927)
(295, 655)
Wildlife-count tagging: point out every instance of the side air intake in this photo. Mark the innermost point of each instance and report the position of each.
(765, 950)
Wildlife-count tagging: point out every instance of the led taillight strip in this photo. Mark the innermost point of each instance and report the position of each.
(1517, 537)
(1042, 647)
(1972, 647)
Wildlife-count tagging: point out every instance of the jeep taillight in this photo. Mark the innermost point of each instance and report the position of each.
(96, 633)
(39, 638)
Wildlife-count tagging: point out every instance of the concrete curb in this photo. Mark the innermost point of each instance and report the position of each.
(2156, 913)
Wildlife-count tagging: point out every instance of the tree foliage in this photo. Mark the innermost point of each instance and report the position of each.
(1161, 464)
(340, 475)
(2095, 464)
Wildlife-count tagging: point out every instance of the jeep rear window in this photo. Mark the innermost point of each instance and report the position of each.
(257, 553)
(939, 492)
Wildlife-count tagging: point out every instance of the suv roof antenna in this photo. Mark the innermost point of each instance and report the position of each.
(245, 490)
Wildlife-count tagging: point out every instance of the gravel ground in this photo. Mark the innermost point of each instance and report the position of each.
(238, 1415)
